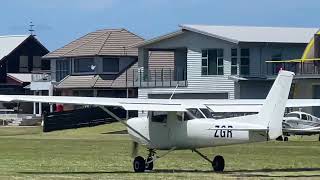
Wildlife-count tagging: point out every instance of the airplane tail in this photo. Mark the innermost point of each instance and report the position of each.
(272, 111)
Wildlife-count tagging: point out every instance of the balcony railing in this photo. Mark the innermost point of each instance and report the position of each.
(163, 77)
(300, 69)
(41, 76)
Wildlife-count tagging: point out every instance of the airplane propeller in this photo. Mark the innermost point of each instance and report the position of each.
(134, 150)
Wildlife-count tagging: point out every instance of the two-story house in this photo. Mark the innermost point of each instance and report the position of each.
(223, 62)
(20, 58)
(101, 64)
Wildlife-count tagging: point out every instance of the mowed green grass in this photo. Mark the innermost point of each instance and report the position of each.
(93, 153)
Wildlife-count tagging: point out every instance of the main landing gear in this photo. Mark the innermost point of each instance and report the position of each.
(140, 164)
(217, 163)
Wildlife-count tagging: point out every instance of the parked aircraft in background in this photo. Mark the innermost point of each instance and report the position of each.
(300, 123)
(175, 125)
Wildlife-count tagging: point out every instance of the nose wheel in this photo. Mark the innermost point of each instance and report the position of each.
(139, 164)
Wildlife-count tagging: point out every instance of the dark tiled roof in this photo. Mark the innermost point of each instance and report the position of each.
(112, 42)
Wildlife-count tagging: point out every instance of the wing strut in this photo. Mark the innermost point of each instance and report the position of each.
(124, 123)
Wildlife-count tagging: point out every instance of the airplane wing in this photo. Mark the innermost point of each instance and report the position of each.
(125, 103)
(314, 130)
(253, 105)
(217, 105)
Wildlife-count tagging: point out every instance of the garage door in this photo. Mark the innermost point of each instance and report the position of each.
(316, 95)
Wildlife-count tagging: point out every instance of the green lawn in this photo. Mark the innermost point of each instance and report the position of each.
(94, 153)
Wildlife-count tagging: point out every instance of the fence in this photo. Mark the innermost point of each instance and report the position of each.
(86, 117)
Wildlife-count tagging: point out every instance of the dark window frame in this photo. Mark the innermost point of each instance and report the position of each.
(62, 69)
(76, 65)
(205, 62)
(117, 65)
(234, 61)
(245, 61)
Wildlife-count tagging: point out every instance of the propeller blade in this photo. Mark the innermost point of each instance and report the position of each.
(134, 150)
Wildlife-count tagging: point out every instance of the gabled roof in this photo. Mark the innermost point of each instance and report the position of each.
(255, 34)
(236, 34)
(106, 42)
(10, 43)
(21, 77)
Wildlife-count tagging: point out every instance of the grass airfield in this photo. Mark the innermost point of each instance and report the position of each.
(96, 153)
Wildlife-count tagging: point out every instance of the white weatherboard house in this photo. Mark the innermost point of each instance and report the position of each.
(219, 62)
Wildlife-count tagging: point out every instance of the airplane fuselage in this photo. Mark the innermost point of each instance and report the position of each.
(191, 134)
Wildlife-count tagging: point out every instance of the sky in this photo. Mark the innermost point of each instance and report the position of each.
(58, 22)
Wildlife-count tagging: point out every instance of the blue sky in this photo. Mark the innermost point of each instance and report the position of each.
(58, 22)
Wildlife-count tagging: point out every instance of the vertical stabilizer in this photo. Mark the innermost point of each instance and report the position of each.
(274, 106)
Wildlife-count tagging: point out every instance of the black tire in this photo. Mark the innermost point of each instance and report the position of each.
(218, 164)
(139, 164)
(149, 166)
(286, 138)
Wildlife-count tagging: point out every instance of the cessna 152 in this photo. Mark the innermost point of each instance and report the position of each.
(185, 124)
(300, 123)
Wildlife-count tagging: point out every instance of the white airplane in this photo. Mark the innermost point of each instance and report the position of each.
(300, 123)
(177, 125)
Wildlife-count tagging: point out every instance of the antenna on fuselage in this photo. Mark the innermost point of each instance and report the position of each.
(174, 91)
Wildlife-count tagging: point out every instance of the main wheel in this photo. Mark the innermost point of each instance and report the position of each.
(149, 166)
(286, 138)
(218, 164)
(139, 164)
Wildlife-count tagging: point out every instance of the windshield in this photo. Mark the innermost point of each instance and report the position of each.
(207, 112)
(195, 112)
(293, 115)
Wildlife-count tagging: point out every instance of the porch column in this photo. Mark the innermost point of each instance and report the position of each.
(51, 94)
(34, 104)
(40, 104)
(143, 61)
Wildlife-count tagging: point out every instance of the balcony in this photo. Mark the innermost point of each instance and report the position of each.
(41, 76)
(164, 77)
(302, 70)
(40, 80)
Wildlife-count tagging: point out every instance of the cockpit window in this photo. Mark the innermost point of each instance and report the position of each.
(293, 115)
(184, 116)
(160, 117)
(207, 112)
(195, 112)
(304, 117)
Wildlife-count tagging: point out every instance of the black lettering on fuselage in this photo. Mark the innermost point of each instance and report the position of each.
(229, 133)
(216, 133)
(222, 133)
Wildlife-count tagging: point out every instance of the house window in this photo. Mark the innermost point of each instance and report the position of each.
(234, 61)
(245, 61)
(212, 62)
(23, 64)
(84, 65)
(111, 65)
(36, 63)
(62, 69)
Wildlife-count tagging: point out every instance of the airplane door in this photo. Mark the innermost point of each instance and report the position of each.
(177, 129)
(159, 129)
